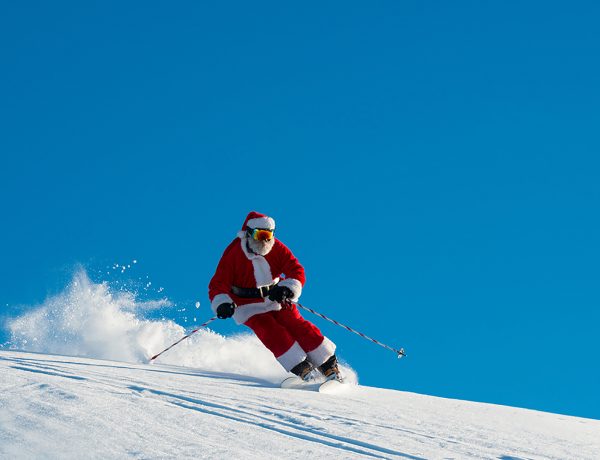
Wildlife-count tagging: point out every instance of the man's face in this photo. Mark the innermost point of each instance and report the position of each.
(261, 246)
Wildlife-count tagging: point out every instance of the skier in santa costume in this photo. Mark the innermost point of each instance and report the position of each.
(247, 287)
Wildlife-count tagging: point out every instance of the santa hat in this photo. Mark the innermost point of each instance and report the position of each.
(258, 220)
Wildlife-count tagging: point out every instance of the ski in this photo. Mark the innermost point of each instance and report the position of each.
(327, 386)
(332, 386)
(296, 383)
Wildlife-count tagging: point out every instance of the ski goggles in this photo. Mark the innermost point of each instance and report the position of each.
(261, 234)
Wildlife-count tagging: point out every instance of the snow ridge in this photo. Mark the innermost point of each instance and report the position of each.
(69, 407)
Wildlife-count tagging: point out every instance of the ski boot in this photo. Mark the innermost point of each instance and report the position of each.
(303, 370)
(330, 369)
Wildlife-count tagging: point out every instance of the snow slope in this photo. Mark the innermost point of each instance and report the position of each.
(66, 407)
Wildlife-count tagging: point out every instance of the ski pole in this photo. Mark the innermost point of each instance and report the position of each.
(182, 339)
(399, 352)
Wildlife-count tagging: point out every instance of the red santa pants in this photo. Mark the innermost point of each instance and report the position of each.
(280, 330)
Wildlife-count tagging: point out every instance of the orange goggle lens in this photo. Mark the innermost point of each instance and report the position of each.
(260, 234)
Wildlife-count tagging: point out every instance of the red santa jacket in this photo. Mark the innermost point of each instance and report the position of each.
(242, 268)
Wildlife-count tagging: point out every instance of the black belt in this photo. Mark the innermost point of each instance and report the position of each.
(252, 292)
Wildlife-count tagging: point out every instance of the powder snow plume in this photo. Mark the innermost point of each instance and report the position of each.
(88, 319)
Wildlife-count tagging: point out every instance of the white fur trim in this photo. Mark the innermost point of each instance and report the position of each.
(322, 353)
(262, 269)
(244, 312)
(218, 300)
(261, 222)
(294, 285)
(294, 356)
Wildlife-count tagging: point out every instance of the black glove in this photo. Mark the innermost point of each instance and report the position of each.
(280, 294)
(225, 310)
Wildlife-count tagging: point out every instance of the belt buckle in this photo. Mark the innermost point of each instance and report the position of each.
(264, 291)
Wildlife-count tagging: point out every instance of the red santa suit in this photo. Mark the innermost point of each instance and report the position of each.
(290, 337)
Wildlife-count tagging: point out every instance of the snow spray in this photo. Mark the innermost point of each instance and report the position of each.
(92, 320)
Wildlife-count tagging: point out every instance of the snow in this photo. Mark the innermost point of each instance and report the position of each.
(71, 407)
(75, 383)
(90, 320)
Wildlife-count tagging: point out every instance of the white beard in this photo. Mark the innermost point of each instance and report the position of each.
(262, 248)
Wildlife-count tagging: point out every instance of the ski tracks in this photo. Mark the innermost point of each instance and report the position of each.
(360, 424)
(280, 420)
(277, 422)
(348, 436)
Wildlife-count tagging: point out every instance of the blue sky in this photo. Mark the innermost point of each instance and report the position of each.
(433, 165)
